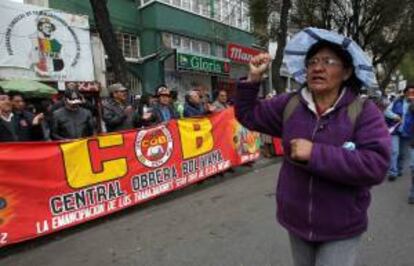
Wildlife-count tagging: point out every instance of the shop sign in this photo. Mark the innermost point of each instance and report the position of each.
(241, 54)
(191, 62)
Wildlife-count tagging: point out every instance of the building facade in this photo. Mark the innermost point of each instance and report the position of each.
(175, 42)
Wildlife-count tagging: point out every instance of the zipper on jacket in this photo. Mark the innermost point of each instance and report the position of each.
(310, 206)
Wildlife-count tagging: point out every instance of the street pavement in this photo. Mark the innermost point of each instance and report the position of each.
(225, 221)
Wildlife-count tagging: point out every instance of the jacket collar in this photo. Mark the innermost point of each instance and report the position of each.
(7, 118)
(346, 97)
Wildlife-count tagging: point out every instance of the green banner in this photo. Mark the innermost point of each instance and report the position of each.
(191, 62)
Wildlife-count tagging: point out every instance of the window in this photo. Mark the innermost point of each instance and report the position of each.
(230, 12)
(217, 10)
(205, 8)
(225, 11)
(167, 39)
(220, 51)
(205, 48)
(196, 46)
(238, 15)
(186, 4)
(186, 44)
(233, 12)
(245, 17)
(128, 44)
(196, 6)
(134, 84)
(176, 41)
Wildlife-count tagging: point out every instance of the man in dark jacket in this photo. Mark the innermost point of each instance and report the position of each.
(71, 121)
(29, 126)
(144, 113)
(164, 109)
(194, 105)
(117, 112)
(8, 124)
(11, 126)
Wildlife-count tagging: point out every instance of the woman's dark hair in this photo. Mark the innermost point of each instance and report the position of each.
(353, 82)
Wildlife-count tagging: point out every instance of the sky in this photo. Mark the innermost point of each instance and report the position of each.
(19, 1)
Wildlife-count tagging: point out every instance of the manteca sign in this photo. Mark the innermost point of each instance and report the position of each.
(44, 44)
(241, 54)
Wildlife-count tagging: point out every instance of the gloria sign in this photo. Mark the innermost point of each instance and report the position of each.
(241, 54)
(214, 65)
(49, 186)
(44, 44)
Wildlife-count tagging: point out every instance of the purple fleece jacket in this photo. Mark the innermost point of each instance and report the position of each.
(326, 198)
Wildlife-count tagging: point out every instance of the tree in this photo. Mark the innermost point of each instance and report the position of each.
(106, 32)
(269, 26)
(281, 43)
(260, 13)
(383, 28)
(407, 67)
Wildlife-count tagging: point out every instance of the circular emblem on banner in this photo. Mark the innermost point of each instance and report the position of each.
(154, 146)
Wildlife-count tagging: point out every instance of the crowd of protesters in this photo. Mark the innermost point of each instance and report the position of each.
(73, 116)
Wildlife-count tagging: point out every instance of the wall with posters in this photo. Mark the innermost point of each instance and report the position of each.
(49, 186)
(44, 44)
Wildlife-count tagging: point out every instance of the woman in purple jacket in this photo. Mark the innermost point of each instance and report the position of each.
(331, 159)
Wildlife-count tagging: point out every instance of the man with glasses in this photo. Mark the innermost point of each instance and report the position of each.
(117, 111)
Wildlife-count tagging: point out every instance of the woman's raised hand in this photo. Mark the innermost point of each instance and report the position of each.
(258, 66)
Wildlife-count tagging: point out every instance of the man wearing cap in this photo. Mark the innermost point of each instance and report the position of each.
(71, 121)
(117, 112)
(164, 109)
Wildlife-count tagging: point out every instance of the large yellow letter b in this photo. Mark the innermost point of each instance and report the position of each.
(196, 137)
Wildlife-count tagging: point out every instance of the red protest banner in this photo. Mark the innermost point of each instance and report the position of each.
(46, 187)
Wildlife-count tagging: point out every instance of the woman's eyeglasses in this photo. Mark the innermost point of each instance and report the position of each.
(325, 62)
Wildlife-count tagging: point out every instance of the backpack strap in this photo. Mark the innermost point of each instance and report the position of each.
(291, 105)
(354, 109)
